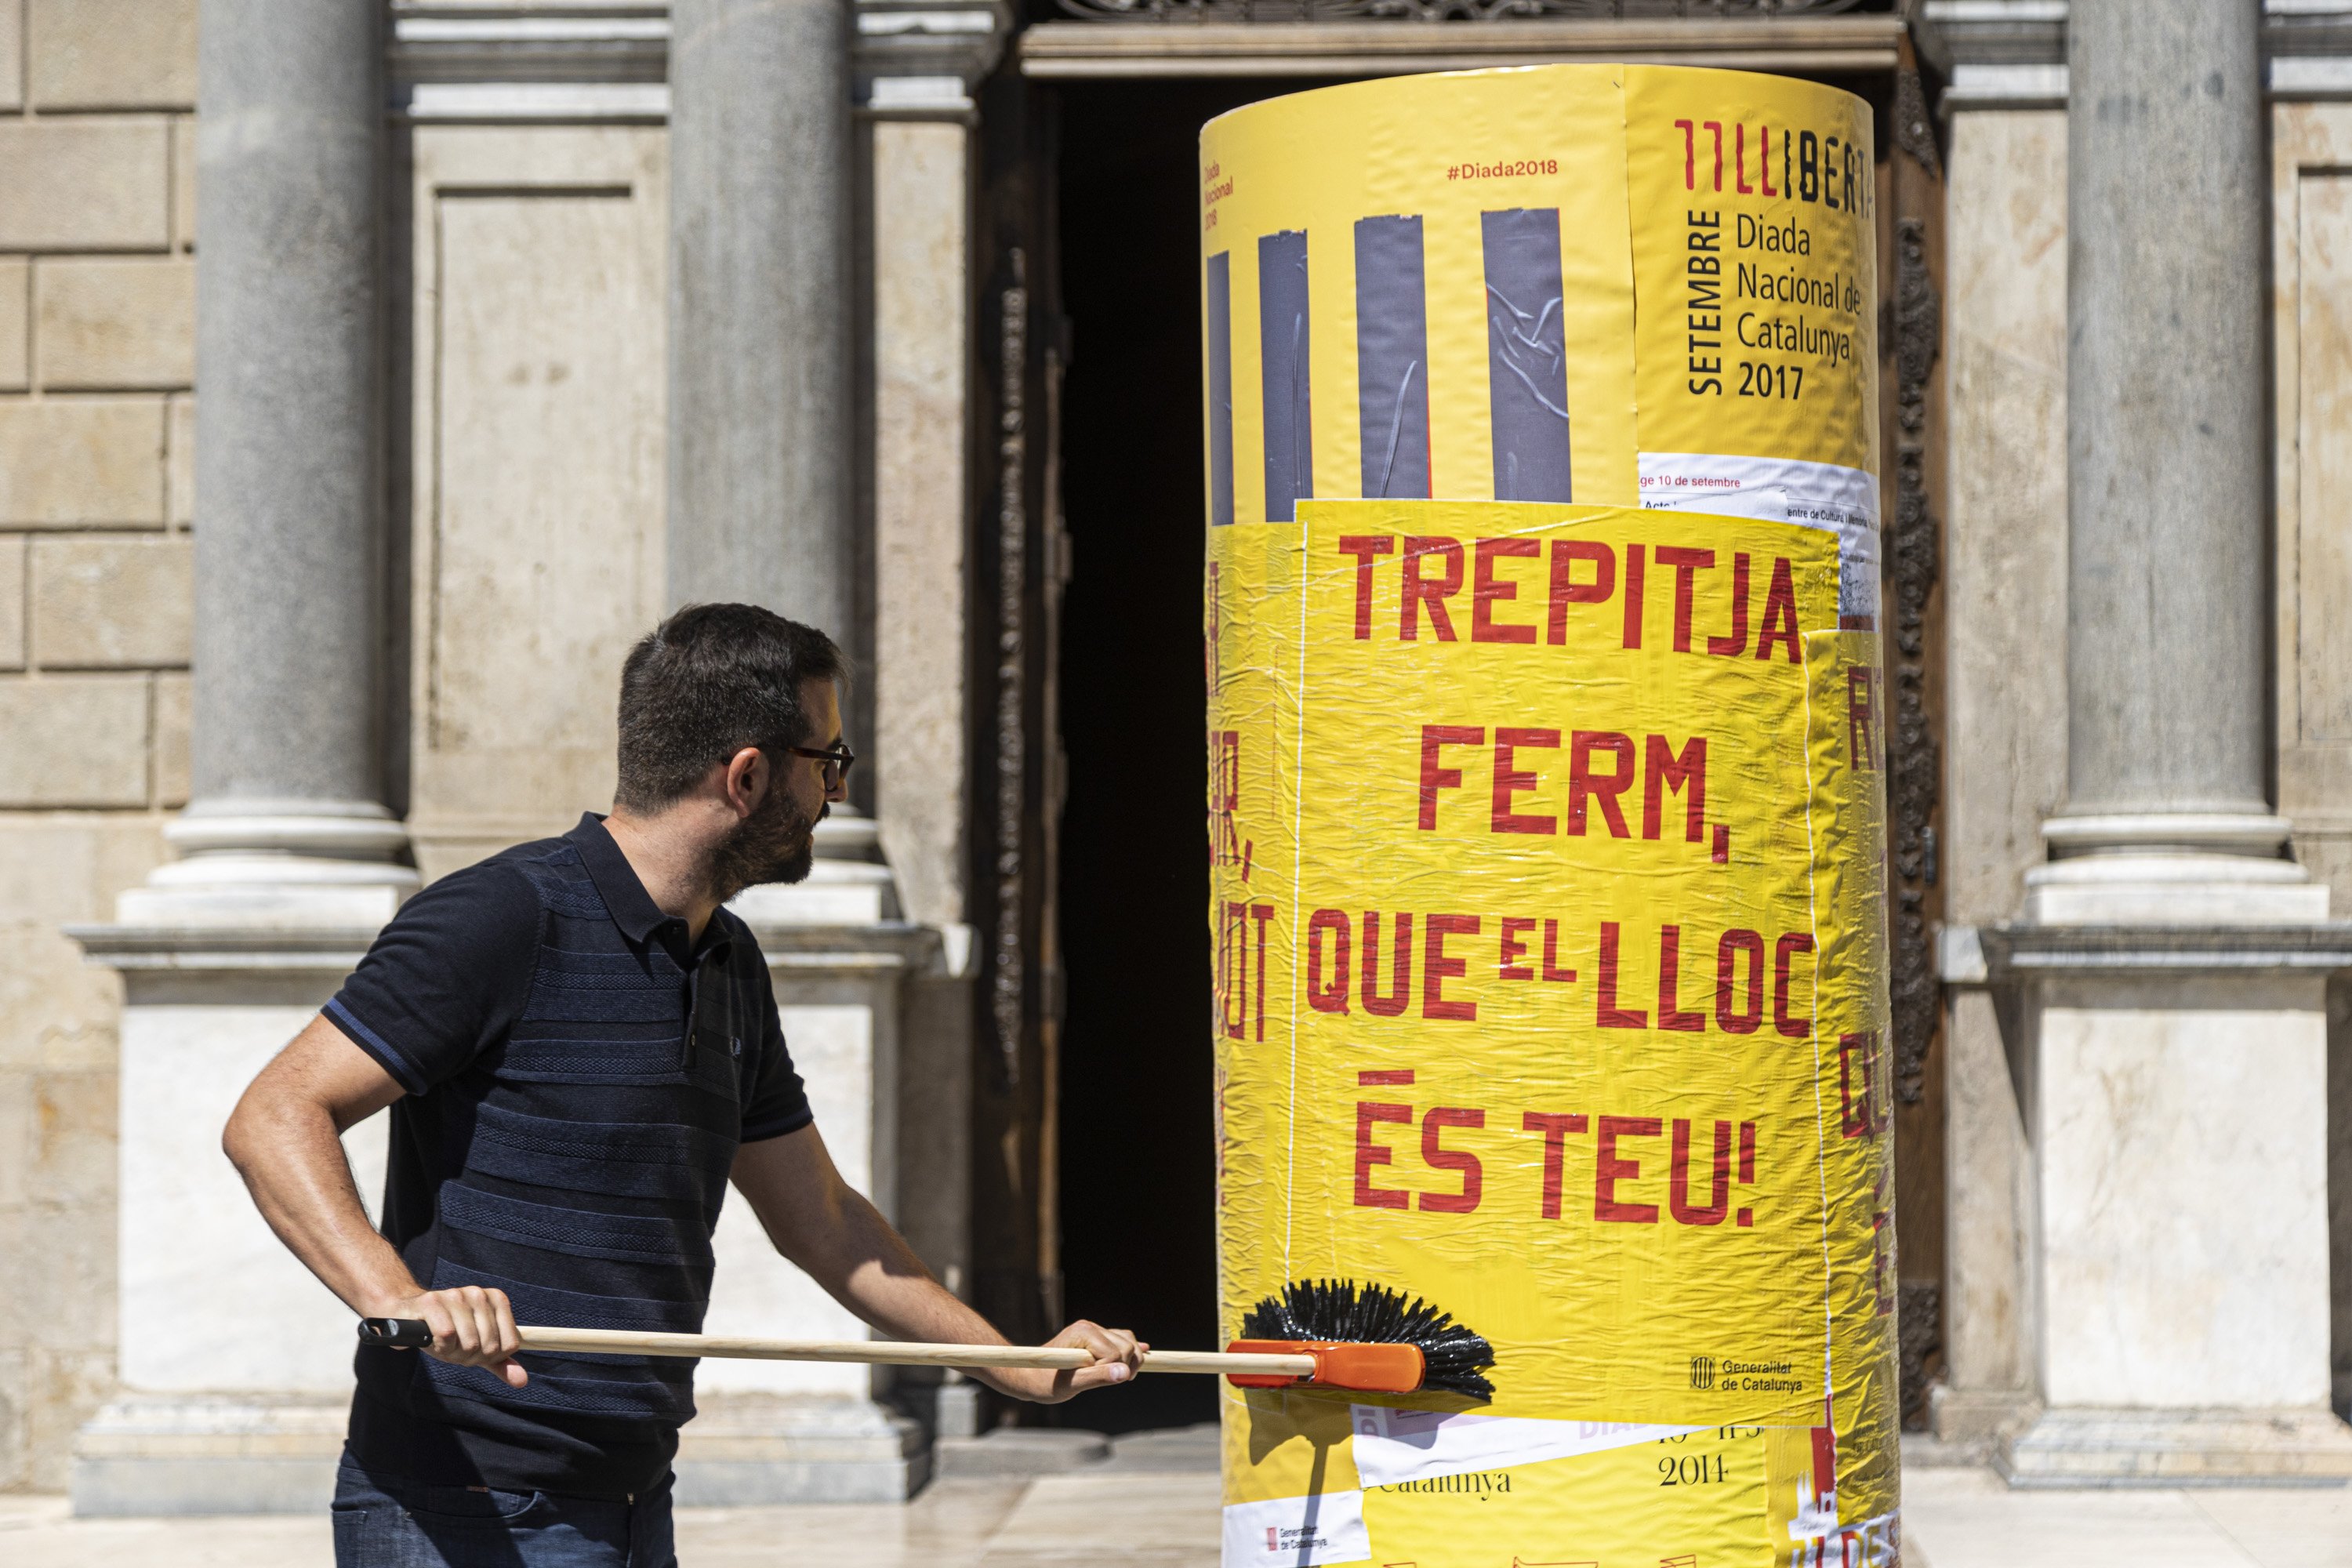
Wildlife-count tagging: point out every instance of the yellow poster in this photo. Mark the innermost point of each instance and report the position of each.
(1545, 811)
(1606, 285)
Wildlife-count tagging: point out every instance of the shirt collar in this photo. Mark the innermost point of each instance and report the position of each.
(632, 909)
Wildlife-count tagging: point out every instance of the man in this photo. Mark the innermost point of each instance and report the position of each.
(580, 1048)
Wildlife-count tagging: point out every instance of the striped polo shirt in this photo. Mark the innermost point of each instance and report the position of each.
(578, 1077)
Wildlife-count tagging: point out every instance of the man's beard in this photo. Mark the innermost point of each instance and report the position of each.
(774, 843)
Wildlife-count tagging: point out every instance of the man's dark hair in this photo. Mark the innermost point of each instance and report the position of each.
(706, 683)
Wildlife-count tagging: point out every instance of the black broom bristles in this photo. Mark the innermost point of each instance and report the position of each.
(1454, 1357)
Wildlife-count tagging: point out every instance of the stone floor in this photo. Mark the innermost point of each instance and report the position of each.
(1955, 1518)
(1157, 1509)
(1146, 1521)
(1152, 1504)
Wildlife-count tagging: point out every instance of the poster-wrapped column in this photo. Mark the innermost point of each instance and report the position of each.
(1545, 809)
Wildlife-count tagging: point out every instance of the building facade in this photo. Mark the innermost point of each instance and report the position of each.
(516, 325)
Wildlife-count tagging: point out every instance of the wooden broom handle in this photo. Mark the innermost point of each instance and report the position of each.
(1048, 1358)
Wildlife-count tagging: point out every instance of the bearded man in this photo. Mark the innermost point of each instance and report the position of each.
(580, 1048)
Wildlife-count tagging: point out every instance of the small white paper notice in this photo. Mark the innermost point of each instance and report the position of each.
(1830, 496)
(1296, 1531)
(1393, 1446)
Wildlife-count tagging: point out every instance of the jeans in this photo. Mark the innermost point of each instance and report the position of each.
(389, 1521)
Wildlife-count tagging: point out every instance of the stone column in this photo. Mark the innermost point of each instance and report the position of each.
(2168, 676)
(2173, 963)
(760, 384)
(762, 440)
(286, 819)
(761, 389)
(232, 1400)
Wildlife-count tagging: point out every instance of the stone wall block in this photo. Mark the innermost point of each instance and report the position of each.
(13, 1440)
(73, 739)
(111, 54)
(56, 1013)
(128, 849)
(48, 873)
(66, 1387)
(183, 183)
(115, 322)
(12, 601)
(98, 184)
(173, 693)
(111, 600)
(68, 461)
(12, 96)
(66, 1301)
(16, 321)
(16, 1140)
(2326, 857)
(179, 462)
(70, 1149)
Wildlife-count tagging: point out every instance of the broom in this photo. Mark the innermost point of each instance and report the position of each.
(1329, 1334)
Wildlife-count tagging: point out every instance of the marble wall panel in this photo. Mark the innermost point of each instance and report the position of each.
(2311, 313)
(539, 259)
(1989, 1242)
(2005, 544)
(922, 494)
(2005, 748)
(2311, 247)
(754, 1291)
(2184, 1194)
(187, 1223)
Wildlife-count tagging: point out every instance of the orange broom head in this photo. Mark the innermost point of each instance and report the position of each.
(1364, 1368)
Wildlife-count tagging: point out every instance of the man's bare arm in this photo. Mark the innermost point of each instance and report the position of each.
(286, 1140)
(827, 1228)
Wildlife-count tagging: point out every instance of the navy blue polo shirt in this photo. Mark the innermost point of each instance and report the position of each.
(579, 1078)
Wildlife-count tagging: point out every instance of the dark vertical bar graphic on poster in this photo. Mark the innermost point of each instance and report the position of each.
(1282, 359)
(1526, 354)
(1392, 357)
(1221, 389)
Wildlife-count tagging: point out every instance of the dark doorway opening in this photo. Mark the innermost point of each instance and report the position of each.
(1137, 1185)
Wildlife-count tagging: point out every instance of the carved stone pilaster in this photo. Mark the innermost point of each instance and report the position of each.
(1914, 553)
(1007, 1002)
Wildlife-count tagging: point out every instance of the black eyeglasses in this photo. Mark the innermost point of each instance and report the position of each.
(837, 762)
